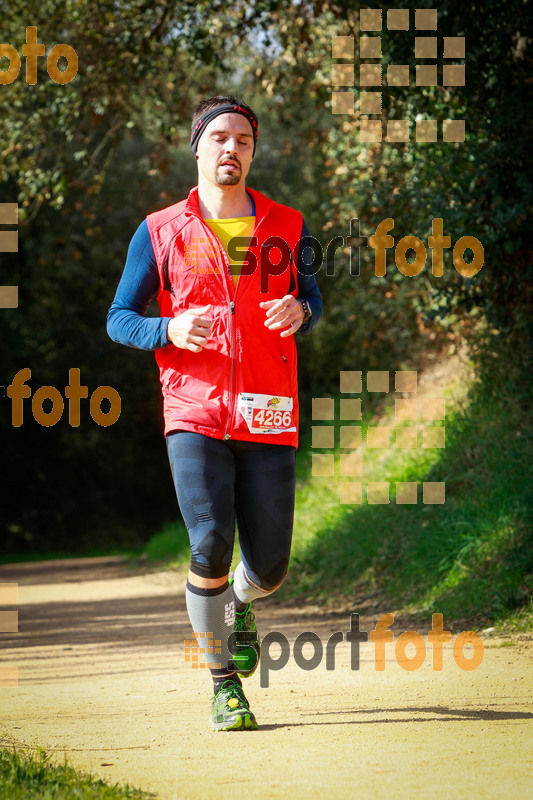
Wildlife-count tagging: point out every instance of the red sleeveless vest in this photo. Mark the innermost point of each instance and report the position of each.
(243, 384)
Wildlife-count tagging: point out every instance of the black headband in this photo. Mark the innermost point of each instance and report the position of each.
(210, 115)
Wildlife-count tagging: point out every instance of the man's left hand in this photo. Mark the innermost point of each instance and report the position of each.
(288, 311)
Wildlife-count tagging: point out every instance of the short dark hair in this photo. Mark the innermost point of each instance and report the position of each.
(214, 102)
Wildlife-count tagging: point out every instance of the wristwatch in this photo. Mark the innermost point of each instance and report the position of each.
(307, 310)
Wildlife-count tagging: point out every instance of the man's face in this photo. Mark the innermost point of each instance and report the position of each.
(225, 149)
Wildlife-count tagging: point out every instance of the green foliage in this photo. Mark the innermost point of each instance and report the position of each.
(471, 558)
(480, 188)
(114, 479)
(170, 545)
(28, 776)
(138, 64)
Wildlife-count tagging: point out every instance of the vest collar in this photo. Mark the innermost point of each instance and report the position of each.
(263, 204)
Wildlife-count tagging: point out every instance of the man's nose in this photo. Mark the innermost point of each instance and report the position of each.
(232, 145)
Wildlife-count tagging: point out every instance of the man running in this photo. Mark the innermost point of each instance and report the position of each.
(227, 265)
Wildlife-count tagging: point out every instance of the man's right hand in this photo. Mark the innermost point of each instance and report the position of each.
(190, 330)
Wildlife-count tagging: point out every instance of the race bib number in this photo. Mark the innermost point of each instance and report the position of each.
(267, 413)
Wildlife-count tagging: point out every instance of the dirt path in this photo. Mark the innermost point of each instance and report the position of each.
(101, 673)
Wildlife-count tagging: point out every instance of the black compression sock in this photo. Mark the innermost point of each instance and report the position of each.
(218, 680)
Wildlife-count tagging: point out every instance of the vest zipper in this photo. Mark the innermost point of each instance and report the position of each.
(226, 264)
(232, 357)
(227, 277)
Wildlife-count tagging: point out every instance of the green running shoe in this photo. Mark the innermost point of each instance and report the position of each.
(244, 642)
(230, 710)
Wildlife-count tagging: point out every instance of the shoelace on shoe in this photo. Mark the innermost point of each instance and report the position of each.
(245, 619)
(233, 691)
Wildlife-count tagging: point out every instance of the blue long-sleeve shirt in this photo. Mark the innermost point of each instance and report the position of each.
(139, 284)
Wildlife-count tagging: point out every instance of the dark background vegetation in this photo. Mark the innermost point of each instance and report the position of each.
(88, 160)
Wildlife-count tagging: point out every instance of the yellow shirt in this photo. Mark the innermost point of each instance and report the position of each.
(226, 229)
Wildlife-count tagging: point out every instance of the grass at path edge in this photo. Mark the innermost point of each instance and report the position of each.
(32, 776)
